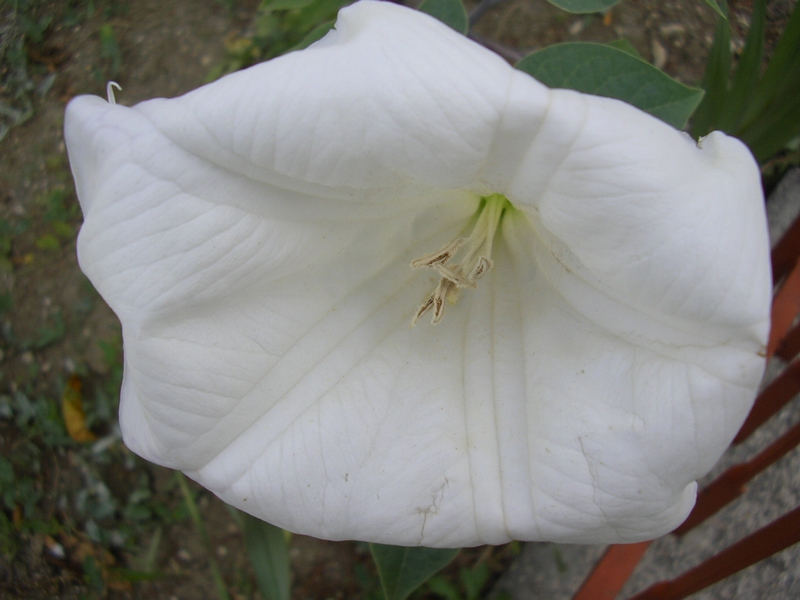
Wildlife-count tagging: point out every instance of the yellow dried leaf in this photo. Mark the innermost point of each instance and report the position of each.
(72, 409)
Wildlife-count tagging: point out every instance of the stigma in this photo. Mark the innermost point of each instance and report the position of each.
(462, 262)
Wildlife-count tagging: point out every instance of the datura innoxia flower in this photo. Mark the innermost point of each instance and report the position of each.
(589, 292)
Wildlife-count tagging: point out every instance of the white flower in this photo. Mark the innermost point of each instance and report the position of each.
(255, 238)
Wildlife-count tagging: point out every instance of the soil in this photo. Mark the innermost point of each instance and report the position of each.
(54, 325)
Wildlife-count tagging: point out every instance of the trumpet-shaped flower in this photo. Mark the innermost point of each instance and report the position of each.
(589, 291)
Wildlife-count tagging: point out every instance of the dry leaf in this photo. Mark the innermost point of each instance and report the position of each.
(72, 408)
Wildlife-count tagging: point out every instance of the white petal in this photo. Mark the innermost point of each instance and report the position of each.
(348, 114)
(254, 237)
(666, 224)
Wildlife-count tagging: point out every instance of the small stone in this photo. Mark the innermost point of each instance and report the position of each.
(576, 27)
(672, 29)
(54, 548)
(659, 54)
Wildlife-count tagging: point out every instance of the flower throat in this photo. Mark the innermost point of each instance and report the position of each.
(463, 261)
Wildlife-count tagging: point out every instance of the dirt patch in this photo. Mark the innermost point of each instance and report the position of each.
(674, 35)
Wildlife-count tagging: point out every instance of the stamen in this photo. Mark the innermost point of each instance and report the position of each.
(110, 91)
(473, 265)
(439, 296)
(456, 275)
(440, 256)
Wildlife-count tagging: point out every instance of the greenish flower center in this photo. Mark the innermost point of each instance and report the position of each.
(463, 261)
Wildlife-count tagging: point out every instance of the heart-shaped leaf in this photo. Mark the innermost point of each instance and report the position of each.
(607, 71)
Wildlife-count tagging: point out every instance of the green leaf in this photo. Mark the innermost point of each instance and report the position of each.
(584, 6)
(747, 73)
(779, 124)
(314, 14)
(48, 242)
(782, 76)
(713, 4)
(715, 80)
(449, 12)
(402, 570)
(316, 34)
(474, 580)
(269, 556)
(625, 46)
(441, 587)
(63, 230)
(606, 71)
(109, 49)
(150, 557)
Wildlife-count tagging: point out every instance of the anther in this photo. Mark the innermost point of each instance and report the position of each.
(480, 268)
(439, 257)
